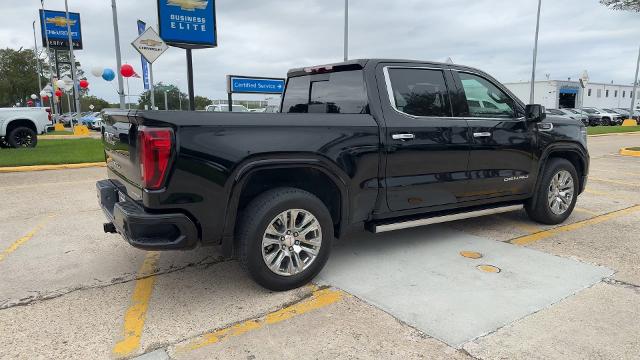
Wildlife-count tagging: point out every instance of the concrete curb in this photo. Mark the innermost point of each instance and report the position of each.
(627, 152)
(50, 167)
(612, 134)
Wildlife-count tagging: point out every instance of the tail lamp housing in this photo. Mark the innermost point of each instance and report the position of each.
(154, 153)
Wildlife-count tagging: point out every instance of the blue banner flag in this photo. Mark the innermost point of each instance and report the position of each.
(145, 64)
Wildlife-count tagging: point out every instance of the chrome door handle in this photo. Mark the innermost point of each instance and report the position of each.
(404, 136)
(481, 134)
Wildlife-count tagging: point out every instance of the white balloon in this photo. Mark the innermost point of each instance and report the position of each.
(97, 71)
(61, 84)
(34, 96)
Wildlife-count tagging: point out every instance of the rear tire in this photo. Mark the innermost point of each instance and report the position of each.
(22, 137)
(275, 252)
(4, 144)
(556, 195)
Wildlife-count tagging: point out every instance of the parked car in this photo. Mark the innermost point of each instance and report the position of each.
(626, 114)
(225, 108)
(593, 118)
(89, 119)
(268, 109)
(20, 126)
(576, 114)
(385, 145)
(97, 124)
(607, 117)
(558, 112)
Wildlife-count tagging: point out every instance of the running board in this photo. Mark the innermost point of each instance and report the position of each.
(444, 218)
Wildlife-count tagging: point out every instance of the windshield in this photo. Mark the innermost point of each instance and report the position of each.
(591, 111)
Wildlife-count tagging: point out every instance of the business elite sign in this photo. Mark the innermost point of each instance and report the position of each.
(188, 24)
(54, 25)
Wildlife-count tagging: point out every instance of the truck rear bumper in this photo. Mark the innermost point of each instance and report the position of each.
(142, 229)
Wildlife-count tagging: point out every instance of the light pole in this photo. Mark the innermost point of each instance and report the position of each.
(346, 30)
(635, 85)
(116, 35)
(35, 45)
(166, 103)
(72, 59)
(535, 55)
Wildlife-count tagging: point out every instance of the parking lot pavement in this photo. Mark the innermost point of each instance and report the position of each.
(68, 290)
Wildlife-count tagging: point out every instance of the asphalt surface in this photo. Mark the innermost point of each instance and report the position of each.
(69, 291)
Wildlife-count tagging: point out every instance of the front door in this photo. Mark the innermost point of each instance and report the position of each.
(427, 149)
(501, 154)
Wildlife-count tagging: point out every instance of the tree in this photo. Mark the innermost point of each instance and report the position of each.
(98, 103)
(174, 97)
(19, 76)
(631, 5)
(202, 102)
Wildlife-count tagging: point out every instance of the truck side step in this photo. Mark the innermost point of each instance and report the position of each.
(379, 228)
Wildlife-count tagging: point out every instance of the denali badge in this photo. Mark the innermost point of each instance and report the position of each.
(522, 177)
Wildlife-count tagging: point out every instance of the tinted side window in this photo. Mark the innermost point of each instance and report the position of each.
(420, 92)
(338, 93)
(496, 103)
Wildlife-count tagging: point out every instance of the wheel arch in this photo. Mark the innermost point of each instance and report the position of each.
(17, 122)
(309, 174)
(573, 153)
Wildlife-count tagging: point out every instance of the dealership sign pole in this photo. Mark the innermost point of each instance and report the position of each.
(150, 46)
(116, 35)
(74, 75)
(188, 25)
(45, 37)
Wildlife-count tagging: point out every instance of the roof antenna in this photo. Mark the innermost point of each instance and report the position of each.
(449, 61)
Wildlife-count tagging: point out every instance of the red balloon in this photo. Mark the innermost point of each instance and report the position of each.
(45, 98)
(58, 93)
(127, 70)
(29, 103)
(84, 84)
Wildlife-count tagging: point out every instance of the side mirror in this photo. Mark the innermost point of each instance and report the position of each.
(535, 113)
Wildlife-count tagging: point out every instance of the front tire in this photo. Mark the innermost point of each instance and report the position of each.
(285, 238)
(22, 137)
(556, 196)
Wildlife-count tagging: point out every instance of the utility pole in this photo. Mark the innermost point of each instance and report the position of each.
(116, 34)
(635, 85)
(346, 30)
(535, 55)
(166, 103)
(35, 44)
(72, 59)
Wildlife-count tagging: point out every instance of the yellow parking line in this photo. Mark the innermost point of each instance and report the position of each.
(319, 299)
(137, 311)
(613, 181)
(16, 244)
(528, 239)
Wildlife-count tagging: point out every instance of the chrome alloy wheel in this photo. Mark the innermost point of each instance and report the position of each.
(291, 242)
(561, 190)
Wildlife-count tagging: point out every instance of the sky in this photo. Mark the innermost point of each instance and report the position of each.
(266, 38)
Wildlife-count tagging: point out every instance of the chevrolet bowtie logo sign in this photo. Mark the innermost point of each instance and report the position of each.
(189, 5)
(60, 21)
(150, 42)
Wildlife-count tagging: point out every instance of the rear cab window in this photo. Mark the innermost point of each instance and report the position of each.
(341, 92)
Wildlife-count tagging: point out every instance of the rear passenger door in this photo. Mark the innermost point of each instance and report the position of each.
(501, 155)
(427, 149)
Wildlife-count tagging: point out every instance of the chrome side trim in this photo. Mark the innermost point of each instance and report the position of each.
(445, 218)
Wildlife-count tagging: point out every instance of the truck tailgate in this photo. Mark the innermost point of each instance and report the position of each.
(119, 138)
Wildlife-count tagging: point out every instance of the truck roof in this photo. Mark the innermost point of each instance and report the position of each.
(361, 63)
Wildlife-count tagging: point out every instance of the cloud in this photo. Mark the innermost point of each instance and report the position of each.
(266, 38)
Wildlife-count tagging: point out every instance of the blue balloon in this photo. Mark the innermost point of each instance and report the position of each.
(108, 74)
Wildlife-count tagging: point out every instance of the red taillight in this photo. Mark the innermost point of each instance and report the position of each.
(48, 113)
(154, 150)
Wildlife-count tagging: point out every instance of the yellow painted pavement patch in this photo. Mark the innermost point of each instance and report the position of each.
(50, 167)
(319, 299)
(16, 244)
(528, 239)
(136, 313)
(629, 152)
(471, 254)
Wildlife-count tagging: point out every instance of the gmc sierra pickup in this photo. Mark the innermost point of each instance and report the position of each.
(366, 144)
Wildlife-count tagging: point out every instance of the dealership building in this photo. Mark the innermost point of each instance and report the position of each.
(554, 94)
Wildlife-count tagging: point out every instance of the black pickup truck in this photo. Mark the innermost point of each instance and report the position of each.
(365, 144)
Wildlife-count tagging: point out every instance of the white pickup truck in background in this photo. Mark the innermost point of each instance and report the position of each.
(19, 127)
